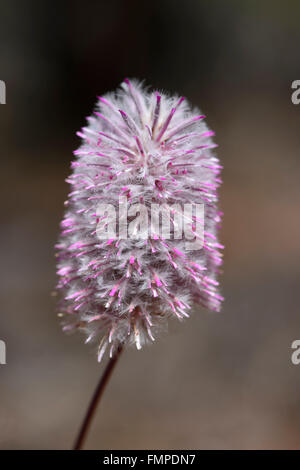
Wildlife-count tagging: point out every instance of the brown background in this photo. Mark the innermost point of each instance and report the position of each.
(218, 380)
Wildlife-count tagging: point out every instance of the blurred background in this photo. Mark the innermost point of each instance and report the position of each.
(217, 381)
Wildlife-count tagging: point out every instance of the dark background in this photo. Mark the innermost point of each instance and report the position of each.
(218, 380)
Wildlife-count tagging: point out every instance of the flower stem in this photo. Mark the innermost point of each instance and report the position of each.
(96, 398)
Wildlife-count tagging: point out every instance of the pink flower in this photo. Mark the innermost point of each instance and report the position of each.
(152, 152)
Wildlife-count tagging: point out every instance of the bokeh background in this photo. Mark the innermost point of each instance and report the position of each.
(217, 381)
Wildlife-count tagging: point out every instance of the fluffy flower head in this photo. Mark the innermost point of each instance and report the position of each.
(145, 157)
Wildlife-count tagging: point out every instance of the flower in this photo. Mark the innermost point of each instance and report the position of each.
(152, 150)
